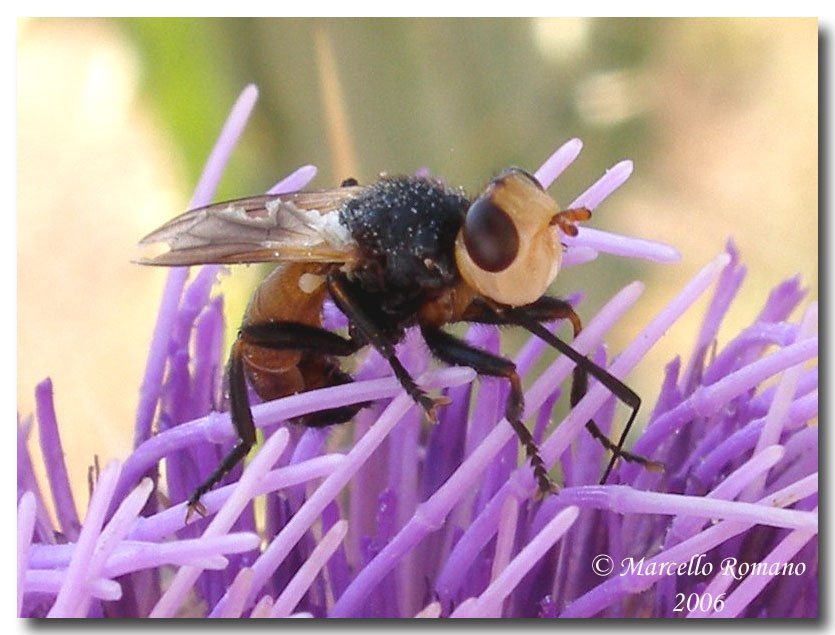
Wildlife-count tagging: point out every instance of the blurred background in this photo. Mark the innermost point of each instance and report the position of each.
(115, 119)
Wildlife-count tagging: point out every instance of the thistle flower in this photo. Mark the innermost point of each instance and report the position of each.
(404, 521)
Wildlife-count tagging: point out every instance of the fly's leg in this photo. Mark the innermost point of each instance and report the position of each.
(295, 336)
(547, 309)
(529, 319)
(341, 294)
(274, 335)
(456, 352)
(241, 415)
(579, 387)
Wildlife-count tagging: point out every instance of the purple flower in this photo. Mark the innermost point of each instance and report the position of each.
(386, 518)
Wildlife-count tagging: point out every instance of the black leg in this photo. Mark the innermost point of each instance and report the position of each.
(579, 387)
(241, 415)
(547, 309)
(585, 367)
(299, 337)
(452, 350)
(341, 294)
(274, 335)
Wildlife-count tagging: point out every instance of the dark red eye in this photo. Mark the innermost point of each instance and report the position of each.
(490, 236)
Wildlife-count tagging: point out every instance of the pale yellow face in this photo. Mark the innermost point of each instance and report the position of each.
(509, 248)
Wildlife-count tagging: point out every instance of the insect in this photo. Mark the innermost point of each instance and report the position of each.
(401, 252)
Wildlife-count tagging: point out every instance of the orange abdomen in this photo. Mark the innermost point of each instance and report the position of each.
(293, 292)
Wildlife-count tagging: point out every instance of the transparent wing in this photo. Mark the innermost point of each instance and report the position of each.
(302, 226)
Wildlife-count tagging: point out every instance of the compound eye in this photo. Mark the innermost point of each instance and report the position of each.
(490, 236)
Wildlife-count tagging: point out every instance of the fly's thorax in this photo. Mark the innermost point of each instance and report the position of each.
(405, 230)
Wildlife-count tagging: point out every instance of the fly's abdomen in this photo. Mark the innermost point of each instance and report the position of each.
(293, 292)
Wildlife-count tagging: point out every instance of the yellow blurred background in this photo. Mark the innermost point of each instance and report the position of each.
(115, 119)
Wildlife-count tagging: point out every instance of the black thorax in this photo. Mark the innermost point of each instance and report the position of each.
(405, 228)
